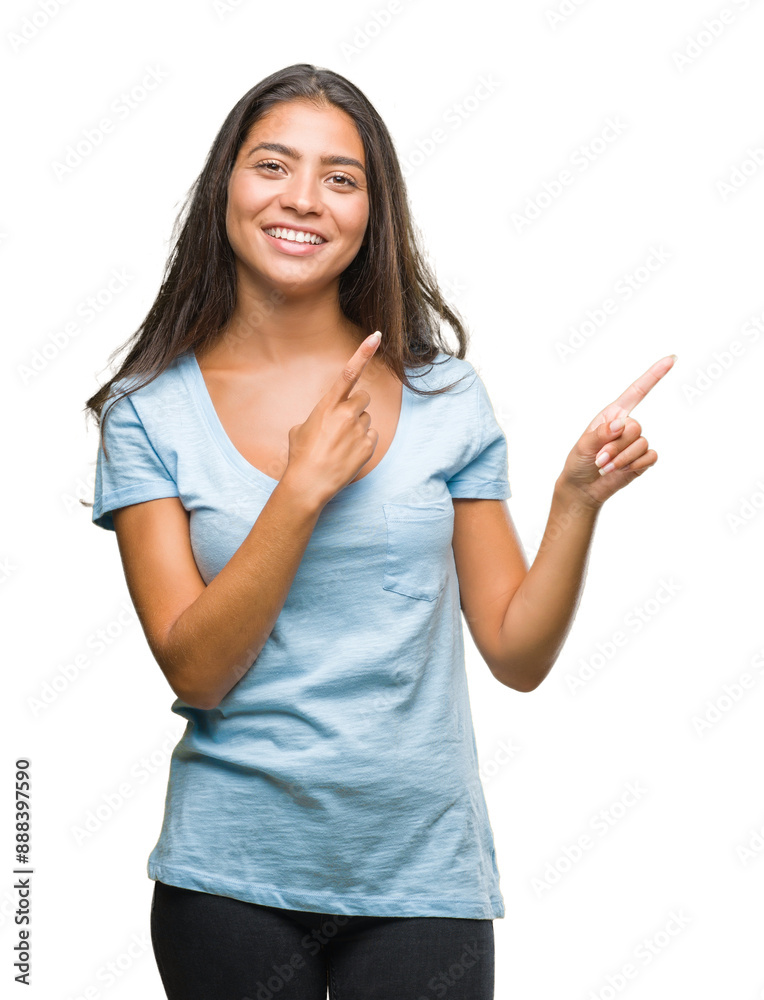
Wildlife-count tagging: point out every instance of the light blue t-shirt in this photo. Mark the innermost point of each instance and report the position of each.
(340, 773)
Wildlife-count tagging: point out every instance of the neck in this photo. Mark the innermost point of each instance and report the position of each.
(273, 328)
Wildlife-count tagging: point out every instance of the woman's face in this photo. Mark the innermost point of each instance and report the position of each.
(289, 183)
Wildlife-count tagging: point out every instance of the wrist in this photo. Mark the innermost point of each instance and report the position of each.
(300, 494)
(573, 500)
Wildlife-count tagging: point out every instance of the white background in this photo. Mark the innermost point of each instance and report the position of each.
(689, 109)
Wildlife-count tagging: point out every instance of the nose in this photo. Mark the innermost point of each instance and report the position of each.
(302, 193)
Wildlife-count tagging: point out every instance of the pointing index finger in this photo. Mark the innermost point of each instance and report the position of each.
(640, 388)
(348, 377)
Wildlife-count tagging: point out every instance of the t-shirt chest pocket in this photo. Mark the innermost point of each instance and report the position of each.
(419, 537)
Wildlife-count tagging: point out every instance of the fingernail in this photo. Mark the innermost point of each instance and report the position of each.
(601, 459)
(377, 334)
(617, 424)
(608, 468)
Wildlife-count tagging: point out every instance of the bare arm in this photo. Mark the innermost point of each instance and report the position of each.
(540, 614)
(520, 617)
(206, 637)
(204, 649)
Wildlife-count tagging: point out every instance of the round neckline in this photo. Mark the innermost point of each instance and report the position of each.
(253, 474)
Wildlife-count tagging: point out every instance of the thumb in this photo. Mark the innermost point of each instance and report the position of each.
(592, 442)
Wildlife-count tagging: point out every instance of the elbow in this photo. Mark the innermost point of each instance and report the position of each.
(526, 687)
(182, 675)
(522, 686)
(197, 699)
(193, 695)
(208, 705)
(521, 668)
(509, 675)
(185, 685)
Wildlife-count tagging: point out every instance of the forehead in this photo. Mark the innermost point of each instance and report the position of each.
(309, 129)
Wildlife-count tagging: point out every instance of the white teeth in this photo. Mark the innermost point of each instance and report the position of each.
(295, 235)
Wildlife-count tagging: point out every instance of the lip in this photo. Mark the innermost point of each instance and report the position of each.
(294, 249)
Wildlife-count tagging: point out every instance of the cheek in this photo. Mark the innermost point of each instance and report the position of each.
(244, 199)
(355, 219)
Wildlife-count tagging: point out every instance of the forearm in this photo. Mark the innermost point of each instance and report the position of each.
(543, 607)
(219, 636)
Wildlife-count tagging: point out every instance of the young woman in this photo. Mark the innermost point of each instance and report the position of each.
(303, 511)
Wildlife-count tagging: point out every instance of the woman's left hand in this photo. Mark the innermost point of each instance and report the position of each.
(603, 461)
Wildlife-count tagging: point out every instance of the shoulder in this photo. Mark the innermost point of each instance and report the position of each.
(156, 398)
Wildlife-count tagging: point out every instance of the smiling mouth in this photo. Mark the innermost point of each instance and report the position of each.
(295, 236)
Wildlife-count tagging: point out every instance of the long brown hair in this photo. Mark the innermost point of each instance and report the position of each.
(388, 286)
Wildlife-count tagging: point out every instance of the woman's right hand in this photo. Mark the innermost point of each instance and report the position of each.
(328, 450)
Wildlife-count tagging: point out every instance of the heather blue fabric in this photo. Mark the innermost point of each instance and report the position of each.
(340, 773)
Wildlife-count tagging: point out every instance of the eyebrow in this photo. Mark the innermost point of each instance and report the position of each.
(278, 147)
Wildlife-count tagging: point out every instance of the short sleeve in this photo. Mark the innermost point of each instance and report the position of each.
(485, 475)
(133, 472)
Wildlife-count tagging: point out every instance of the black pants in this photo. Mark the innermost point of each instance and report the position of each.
(210, 947)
